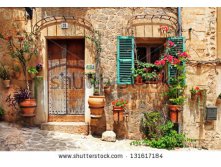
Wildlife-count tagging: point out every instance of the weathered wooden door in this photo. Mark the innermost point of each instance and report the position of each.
(66, 79)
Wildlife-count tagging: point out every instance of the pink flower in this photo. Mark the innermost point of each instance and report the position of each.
(184, 55)
(171, 44)
(176, 61)
(164, 28)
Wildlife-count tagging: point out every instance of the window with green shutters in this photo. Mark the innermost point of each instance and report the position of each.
(125, 59)
(179, 47)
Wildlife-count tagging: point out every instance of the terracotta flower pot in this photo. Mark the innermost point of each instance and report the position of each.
(174, 107)
(6, 83)
(118, 113)
(194, 97)
(218, 101)
(174, 116)
(28, 106)
(96, 101)
(96, 105)
(138, 80)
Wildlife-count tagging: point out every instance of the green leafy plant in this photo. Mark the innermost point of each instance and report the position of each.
(119, 103)
(150, 76)
(159, 132)
(177, 101)
(22, 46)
(32, 70)
(107, 83)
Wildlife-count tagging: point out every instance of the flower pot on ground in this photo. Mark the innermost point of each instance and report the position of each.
(28, 107)
(23, 98)
(96, 105)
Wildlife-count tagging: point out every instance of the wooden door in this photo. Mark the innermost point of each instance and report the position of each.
(66, 79)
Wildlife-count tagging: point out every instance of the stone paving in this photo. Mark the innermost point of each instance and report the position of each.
(16, 138)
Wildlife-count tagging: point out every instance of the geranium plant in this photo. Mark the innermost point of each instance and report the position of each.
(195, 91)
(119, 103)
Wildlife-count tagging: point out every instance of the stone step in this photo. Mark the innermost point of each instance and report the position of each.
(67, 127)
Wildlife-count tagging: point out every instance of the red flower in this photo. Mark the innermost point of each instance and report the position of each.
(197, 88)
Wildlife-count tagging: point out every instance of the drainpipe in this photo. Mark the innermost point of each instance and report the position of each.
(179, 21)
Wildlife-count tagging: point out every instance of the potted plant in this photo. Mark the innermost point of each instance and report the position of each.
(150, 77)
(195, 92)
(22, 47)
(118, 109)
(1, 113)
(5, 75)
(107, 87)
(96, 102)
(32, 72)
(137, 74)
(23, 98)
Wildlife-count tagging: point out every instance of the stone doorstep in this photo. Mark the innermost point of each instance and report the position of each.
(67, 127)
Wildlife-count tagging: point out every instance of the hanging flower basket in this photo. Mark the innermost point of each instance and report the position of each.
(118, 109)
(118, 113)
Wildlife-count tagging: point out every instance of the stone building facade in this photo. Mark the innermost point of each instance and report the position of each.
(200, 27)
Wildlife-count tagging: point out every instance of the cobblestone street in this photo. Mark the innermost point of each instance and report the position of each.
(16, 138)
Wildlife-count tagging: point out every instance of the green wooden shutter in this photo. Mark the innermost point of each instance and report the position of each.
(125, 59)
(179, 47)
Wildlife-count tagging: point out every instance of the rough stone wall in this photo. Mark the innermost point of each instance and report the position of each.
(10, 16)
(201, 45)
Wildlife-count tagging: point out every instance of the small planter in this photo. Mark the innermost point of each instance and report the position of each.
(138, 80)
(32, 76)
(6, 83)
(218, 101)
(174, 107)
(194, 97)
(151, 82)
(118, 113)
(174, 116)
(107, 90)
(28, 107)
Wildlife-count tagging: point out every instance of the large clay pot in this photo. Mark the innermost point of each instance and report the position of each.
(96, 105)
(28, 106)
(174, 116)
(6, 83)
(174, 107)
(96, 101)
